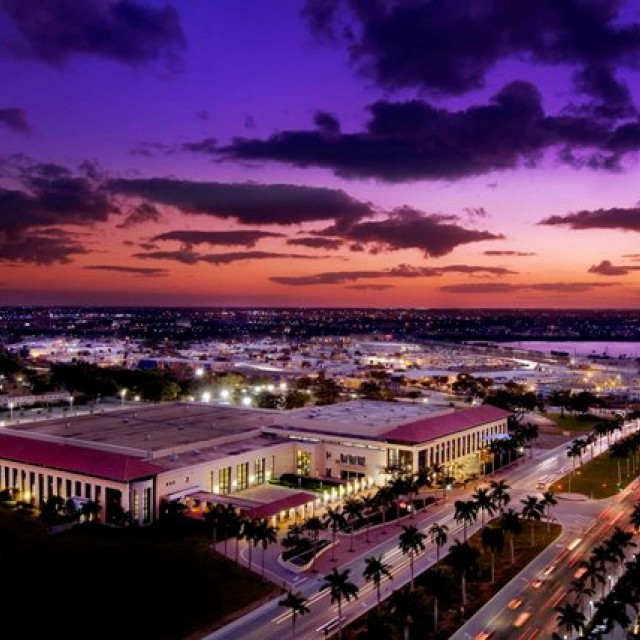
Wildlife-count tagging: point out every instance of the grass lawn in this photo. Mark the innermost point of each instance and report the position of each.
(570, 422)
(381, 624)
(596, 479)
(108, 583)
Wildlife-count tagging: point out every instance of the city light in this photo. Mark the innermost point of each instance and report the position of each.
(206, 396)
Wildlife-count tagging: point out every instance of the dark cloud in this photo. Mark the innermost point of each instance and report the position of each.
(405, 228)
(330, 244)
(327, 123)
(413, 140)
(134, 271)
(148, 246)
(141, 214)
(450, 47)
(401, 271)
(206, 145)
(243, 237)
(15, 119)
(41, 248)
(611, 98)
(607, 268)
(126, 31)
(370, 287)
(187, 256)
(508, 253)
(474, 213)
(506, 287)
(151, 149)
(248, 203)
(616, 218)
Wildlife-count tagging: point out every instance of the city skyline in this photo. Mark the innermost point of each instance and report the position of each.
(324, 153)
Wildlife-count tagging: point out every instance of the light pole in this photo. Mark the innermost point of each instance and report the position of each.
(11, 411)
(70, 404)
(123, 393)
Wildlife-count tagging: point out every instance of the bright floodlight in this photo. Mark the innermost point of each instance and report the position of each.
(199, 372)
(206, 396)
(224, 394)
(246, 401)
(283, 386)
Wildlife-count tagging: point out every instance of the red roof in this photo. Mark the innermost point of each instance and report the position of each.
(82, 460)
(438, 426)
(289, 502)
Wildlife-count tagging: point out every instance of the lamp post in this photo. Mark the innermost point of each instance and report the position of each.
(123, 393)
(11, 411)
(70, 404)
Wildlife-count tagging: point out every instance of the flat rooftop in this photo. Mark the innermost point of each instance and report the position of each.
(152, 430)
(360, 418)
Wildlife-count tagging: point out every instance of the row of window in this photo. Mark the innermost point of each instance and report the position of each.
(225, 485)
(355, 460)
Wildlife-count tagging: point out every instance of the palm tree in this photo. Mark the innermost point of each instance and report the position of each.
(463, 558)
(548, 500)
(352, 510)
(600, 555)
(484, 502)
(580, 588)
(228, 516)
(617, 451)
(438, 535)
(512, 526)
(264, 535)
(375, 570)
(336, 522)
(369, 505)
(499, 494)
(466, 512)
(532, 511)
(339, 588)
(235, 528)
(406, 607)
(634, 519)
(399, 487)
(298, 605)
(384, 497)
(613, 611)
(592, 575)
(570, 618)
(411, 541)
(213, 517)
(248, 533)
(314, 526)
(493, 539)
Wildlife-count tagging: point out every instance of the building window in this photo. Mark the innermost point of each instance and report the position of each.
(135, 509)
(303, 463)
(259, 469)
(405, 460)
(211, 481)
(392, 459)
(78, 492)
(146, 505)
(224, 480)
(242, 472)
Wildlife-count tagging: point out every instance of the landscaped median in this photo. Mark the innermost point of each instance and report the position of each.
(439, 588)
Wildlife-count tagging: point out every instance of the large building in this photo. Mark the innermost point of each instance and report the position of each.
(131, 460)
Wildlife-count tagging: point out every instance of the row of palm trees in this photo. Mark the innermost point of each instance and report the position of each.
(606, 559)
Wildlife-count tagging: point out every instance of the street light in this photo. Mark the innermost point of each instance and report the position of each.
(206, 396)
(123, 393)
(70, 404)
(11, 405)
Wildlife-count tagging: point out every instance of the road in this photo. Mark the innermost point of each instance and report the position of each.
(270, 621)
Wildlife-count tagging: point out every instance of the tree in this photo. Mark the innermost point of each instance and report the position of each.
(369, 505)
(618, 451)
(548, 500)
(493, 539)
(411, 542)
(499, 494)
(375, 570)
(580, 588)
(466, 511)
(634, 519)
(438, 534)
(352, 510)
(264, 535)
(406, 607)
(248, 533)
(570, 618)
(531, 511)
(463, 558)
(613, 610)
(212, 518)
(484, 502)
(298, 605)
(384, 497)
(335, 520)
(314, 526)
(512, 526)
(339, 588)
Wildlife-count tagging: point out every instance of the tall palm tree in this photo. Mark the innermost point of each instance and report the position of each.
(613, 611)
(264, 535)
(406, 606)
(399, 487)
(493, 539)
(369, 505)
(511, 524)
(580, 588)
(592, 575)
(600, 556)
(411, 542)
(499, 494)
(384, 497)
(340, 588)
(438, 535)
(248, 533)
(570, 618)
(314, 526)
(548, 500)
(375, 570)
(236, 528)
(213, 518)
(484, 502)
(532, 511)
(618, 451)
(466, 512)
(298, 605)
(352, 510)
(335, 520)
(463, 558)
(227, 519)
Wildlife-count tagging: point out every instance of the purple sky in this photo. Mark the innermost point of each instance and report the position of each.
(328, 152)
